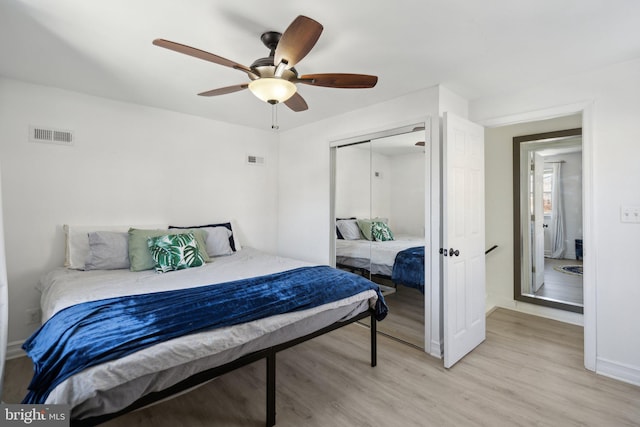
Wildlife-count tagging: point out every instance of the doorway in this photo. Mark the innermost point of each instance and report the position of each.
(500, 131)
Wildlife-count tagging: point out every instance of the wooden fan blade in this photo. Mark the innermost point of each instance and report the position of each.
(197, 53)
(339, 80)
(225, 90)
(297, 40)
(296, 103)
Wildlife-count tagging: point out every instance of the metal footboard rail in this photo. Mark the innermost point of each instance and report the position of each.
(269, 354)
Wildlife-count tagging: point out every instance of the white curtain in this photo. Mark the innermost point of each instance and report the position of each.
(557, 213)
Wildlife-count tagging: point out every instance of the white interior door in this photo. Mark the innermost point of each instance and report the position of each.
(463, 269)
(537, 224)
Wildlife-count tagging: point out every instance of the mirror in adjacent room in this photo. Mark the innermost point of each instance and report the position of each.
(548, 219)
(379, 203)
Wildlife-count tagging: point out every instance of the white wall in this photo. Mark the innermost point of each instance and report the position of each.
(613, 248)
(358, 192)
(381, 186)
(353, 181)
(4, 303)
(129, 165)
(408, 194)
(398, 193)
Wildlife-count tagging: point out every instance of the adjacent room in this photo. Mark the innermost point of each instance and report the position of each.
(320, 214)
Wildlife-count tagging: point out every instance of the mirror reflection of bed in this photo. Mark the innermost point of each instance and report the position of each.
(380, 226)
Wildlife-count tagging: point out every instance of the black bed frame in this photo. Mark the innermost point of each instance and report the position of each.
(268, 353)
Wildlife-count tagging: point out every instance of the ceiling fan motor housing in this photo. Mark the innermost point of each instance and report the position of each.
(264, 67)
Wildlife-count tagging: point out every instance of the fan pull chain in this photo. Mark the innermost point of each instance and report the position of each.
(274, 117)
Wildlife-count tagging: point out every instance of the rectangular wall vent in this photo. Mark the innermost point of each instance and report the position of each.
(255, 160)
(50, 136)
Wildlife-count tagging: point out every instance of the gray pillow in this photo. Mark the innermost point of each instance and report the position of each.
(349, 229)
(218, 241)
(108, 250)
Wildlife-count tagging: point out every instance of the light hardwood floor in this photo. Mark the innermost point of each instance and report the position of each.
(561, 286)
(405, 320)
(528, 372)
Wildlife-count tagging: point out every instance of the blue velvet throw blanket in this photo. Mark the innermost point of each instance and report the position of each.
(408, 268)
(94, 332)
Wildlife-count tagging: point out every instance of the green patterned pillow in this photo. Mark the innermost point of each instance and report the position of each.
(381, 231)
(139, 254)
(175, 252)
(366, 226)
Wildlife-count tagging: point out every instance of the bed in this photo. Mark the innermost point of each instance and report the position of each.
(368, 245)
(379, 258)
(408, 268)
(103, 387)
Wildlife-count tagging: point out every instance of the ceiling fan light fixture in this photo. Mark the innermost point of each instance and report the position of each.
(272, 89)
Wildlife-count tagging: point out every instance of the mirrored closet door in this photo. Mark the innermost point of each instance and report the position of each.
(379, 201)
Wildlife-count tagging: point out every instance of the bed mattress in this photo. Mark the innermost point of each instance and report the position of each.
(114, 385)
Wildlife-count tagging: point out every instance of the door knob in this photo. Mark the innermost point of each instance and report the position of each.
(452, 252)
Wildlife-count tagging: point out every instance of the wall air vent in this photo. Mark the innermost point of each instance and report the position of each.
(255, 160)
(50, 136)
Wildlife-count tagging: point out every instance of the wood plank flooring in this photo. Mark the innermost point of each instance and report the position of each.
(406, 316)
(405, 320)
(528, 372)
(561, 286)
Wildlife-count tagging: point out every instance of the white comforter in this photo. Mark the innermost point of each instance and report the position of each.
(114, 385)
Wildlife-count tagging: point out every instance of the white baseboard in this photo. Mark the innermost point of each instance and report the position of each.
(436, 349)
(628, 374)
(14, 350)
(537, 310)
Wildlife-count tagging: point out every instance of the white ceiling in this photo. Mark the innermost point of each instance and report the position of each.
(475, 48)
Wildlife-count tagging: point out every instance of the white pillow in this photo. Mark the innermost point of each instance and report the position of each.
(349, 229)
(77, 241)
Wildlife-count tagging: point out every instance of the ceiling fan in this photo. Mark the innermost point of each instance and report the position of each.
(273, 79)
